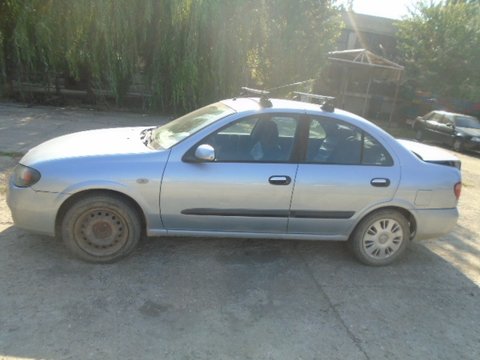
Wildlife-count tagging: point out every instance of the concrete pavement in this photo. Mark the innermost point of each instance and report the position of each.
(229, 299)
(23, 127)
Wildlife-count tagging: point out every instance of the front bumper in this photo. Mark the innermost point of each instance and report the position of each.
(433, 223)
(472, 144)
(32, 210)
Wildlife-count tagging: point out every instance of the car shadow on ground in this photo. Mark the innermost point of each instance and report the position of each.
(217, 298)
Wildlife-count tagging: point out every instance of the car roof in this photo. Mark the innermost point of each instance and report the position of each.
(448, 113)
(242, 104)
(251, 103)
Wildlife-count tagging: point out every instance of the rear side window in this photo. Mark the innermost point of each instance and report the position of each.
(437, 117)
(429, 116)
(334, 142)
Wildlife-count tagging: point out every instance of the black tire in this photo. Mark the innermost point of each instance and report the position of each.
(380, 238)
(457, 145)
(419, 135)
(101, 228)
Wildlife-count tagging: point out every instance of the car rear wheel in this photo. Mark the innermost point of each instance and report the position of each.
(457, 145)
(380, 238)
(101, 228)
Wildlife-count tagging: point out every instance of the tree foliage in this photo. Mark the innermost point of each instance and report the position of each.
(440, 46)
(186, 52)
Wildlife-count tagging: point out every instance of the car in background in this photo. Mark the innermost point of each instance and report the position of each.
(461, 132)
(247, 167)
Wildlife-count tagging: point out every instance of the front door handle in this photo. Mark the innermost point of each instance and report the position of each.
(380, 182)
(279, 180)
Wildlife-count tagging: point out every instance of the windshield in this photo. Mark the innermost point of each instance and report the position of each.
(166, 136)
(467, 122)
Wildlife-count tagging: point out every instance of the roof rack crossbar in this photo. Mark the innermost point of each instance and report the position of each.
(314, 96)
(327, 102)
(247, 90)
(263, 94)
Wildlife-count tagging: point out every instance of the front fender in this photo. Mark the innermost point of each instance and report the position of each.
(145, 195)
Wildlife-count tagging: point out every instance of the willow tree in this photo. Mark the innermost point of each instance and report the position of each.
(102, 41)
(199, 51)
(185, 52)
(8, 15)
(299, 35)
(202, 50)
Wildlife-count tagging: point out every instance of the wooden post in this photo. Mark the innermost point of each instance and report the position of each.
(365, 104)
(397, 87)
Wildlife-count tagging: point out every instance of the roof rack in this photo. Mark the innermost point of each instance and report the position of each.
(263, 94)
(327, 102)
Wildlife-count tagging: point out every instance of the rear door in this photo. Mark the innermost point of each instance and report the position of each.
(345, 172)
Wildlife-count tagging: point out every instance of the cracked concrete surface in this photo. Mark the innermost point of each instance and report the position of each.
(230, 299)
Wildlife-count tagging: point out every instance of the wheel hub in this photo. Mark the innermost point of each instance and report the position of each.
(383, 238)
(102, 230)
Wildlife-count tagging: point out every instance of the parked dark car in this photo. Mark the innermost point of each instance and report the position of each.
(461, 132)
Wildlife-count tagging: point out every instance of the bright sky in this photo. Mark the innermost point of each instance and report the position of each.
(394, 9)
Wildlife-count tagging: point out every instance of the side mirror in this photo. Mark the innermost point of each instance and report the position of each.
(205, 152)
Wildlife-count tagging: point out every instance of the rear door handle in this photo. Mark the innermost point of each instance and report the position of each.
(279, 180)
(380, 182)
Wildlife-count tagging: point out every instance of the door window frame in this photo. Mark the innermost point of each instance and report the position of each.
(295, 154)
(390, 161)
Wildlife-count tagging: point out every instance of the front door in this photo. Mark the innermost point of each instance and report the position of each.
(247, 189)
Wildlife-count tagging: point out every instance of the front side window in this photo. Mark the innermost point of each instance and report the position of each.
(446, 121)
(467, 122)
(166, 136)
(334, 142)
(263, 138)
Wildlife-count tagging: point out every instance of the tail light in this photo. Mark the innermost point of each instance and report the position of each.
(457, 189)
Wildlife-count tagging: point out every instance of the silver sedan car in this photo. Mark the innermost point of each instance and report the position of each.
(239, 168)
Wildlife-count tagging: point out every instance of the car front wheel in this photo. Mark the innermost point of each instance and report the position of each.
(458, 145)
(380, 238)
(101, 228)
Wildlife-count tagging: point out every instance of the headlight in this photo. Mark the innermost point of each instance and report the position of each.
(24, 176)
(476, 139)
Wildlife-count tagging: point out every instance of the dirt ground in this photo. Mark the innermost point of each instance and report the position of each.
(230, 299)
(462, 248)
